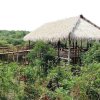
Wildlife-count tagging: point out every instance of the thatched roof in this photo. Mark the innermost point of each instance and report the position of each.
(78, 28)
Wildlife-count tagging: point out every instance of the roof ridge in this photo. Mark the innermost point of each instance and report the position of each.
(81, 16)
(77, 23)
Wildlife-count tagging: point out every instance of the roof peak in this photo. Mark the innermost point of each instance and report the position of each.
(81, 16)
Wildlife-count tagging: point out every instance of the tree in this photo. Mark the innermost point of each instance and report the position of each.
(42, 55)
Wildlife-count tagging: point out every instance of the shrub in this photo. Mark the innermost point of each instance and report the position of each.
(3, 43)
(87, 85)
(92, 55)
(15, 41)
(42, 55)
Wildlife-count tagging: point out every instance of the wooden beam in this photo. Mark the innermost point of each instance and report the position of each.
(81, 16)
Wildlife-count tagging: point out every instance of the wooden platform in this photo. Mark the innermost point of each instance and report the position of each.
(13, 52)
(19, 55)
(11, 55)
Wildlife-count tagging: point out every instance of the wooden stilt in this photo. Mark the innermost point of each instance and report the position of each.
(69, 40)
(29, 44)
(58, 44)
(81, 51)
(87, 45)
(76, 44)
(17, 57)
(75, 51)
(13, 57)
(73, 43)
(81, 44)
(66, 45)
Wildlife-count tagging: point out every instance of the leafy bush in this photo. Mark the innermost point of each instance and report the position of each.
(8, 81)
(12, 37)
(92, 55)
(3, 43)
(42, 55)
(15, 41)
(86, 86)
(17, 82)
(25, 82)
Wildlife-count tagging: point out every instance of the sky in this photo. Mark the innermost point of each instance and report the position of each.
(31, 14)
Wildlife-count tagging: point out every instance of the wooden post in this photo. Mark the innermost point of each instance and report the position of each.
(87, 45)
(81, 44)
(65, 45)
(29, 44)
(69, 41)
(75, 52)
(58, 44)
(73, 43)
(76, 44)
(13, 57)
(17, 54)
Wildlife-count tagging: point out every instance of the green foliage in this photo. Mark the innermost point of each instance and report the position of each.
(3, 43)
(42, 55)
(8, 80)
(15, 41)
(25, 82)
(17, 82)
(8, 38)
(87, 85)
(92, 55)
(62, 94)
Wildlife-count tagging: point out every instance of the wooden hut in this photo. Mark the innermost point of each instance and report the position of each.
(70, 29)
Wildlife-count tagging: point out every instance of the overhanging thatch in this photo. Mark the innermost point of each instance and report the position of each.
(78, 28)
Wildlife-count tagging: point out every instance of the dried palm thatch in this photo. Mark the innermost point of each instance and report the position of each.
(77, 27)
